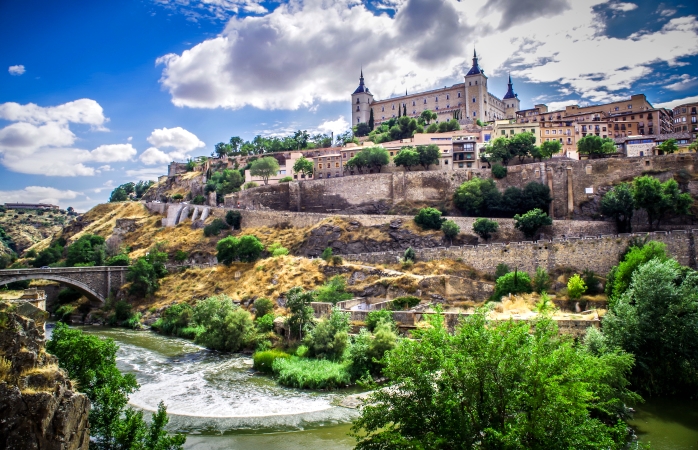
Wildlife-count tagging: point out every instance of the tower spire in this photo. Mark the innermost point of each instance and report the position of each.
(510, 92)
(475, 70)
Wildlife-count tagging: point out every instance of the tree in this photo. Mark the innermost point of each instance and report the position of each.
(512, 283)
(226, 327)
(668, 147)
(362, 129)
(233, 218)
(495, 385)
(224, 182)
(427, 116)
(329, 338)
(429, 219)
(693, 147)
(619, 278)
(327, 254)
(522, 145)
(303, 166)
(576, 287)
(263, 306)
(658, 199)
(371, 121)
(407, 157)
(477, 197)
(541, 280)
(594, 146)
(657, 320)
(450, 229)
(428, 155)
(301, 138)
(145, 272)
(375, 157)
(485, 228)
(499, 171)
(333, 291)
(547, 149)
(301, 313)
(91, 363)
(222, 149)
(89, 248)
(264, 167)
(530, 222)
(498, 150)
(235, 144)
(118, 195)
(618, 204)
(245, 248)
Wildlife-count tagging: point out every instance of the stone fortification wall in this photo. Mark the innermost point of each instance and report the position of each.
(577, 186)
(596, 253)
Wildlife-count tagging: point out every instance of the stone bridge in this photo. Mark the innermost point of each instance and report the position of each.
(94, 282)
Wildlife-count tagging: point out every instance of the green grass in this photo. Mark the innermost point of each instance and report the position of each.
(264, 360)
(304, 373)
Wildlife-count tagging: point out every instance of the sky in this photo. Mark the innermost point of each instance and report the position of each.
(94, 94)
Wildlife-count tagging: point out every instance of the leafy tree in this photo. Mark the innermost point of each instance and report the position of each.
(233, 218)
(376, 157)
(427, 116)
(407, 157)
(303, 166)
(576, 287)
(145, 272)
(246, 248)
(512, 283)
(496, 385)
(222, 149)
(333, 291)
(530, 222)
(121, 259)
(657, 320)
(371, 121)
(591, 281)
(48, 256)
(450, 229)
(329, 338)
(618, 203)
(410, 255)
(224, 182)
(140, 188)
(215, 227)
(428, 155)
(501, 270)
(620, 276)
(301, 313)
(198, 200)
(226, 327)
(91, 362)
(522, 145)
(693, 147)
(362, 129)
(485, 228)
(477, 197)
(264, 168)
(541, 280)
(593, 146)
(89, 248)
(499, 171)
(429, 219)
(518, 201)
(546, 150)
(327, 254)
(375, 318)
(658, 199)
(668, 147)
(263, 306)
(118, 195)
(498, 150)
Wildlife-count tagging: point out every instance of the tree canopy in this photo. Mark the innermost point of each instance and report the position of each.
(370, 157)
(264, 168)
(407, 158)
(593, 146)
(303, 165)
(618, 204)
(658, 199)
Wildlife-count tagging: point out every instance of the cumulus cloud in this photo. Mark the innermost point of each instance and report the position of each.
(38, 194)
(180, 142)
(219, 9)
(302, 53)
(685, 82)
(337, 127)
(679, 101)
(16, 70)
(154, 156)
(148, 173)
(40, 140)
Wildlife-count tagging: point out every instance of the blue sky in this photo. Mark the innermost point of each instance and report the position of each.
(94, 94)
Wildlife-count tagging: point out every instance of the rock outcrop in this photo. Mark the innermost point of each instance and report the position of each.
(38, 407)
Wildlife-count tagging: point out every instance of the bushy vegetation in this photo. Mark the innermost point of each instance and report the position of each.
(329, 338)
(121, 259)
(286, 180)
(619, 277)
(246, 248)
(327, 254)
(176, 321)
(276, 249)
(369, 158)
(333, 291)
(541, 280)
(234, 219)
(529, 223)
(263, 361)
(512, 283)
(263, 306)
(306, 373)
(224, 182)
(480, 197)
(366, 352)
(429, 219)
(130, 191)
(485, 228)
(225, 326)
(145, 272)
(215, 227)
(499, 171)
(405, 302)
(576, 287)
(88, 249)
(375, 318)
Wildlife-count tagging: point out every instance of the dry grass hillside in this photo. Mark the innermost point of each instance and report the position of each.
(32, 227)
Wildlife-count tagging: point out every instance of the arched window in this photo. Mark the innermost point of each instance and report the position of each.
(393, 107)
(357, 101)
(358, 107)
(448, 97)
(459, 95)
(425, 101)
(382, 108)
(413, 103)
(473, 99)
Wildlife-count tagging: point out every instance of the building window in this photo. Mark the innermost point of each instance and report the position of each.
(414, 103)
(382, 108)
(459, 95)
(470, 83)
(504, 132)
(630, 106)
(336, 165)
(473, 99)
(357, 101)
(448, 96)
(436, 99)
(425, 101)
(319, 166)
(474, 113)
(393, 107)
(357, 108)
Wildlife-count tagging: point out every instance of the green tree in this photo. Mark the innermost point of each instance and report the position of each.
(264, 168)
(499, 171)
(659, 199)
(541, 280)
(530, 222)
(450, 229)
(91, 362)
(547, 149)
(620, 276)
(233, 218)
(512, 283)
(485, 228)
(498, 150)
(495, 385)
(522, 145)
(693, 147)
(48, 256)
(594, 146)
(428, 155)
(224, 182)
(376, 157)
(246, 248)
(327, 254)
(333, 290)
(375, 318)
(89, 248)
(407, 157)
(300, 312)
(576, 287)
(429, 219)
(226, 327)
(329, 338)
(303, 166)
(477, 197)
(618, 203)
(263, 306)
(657, 320)
(427, 116)
(362, 129)
(668, 147)
(371, 122)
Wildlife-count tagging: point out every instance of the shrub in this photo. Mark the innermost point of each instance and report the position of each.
(450, 229)
(485, 228)
(199, 200)
(327, 254)
(501, 270)
(333, 291)
(286, 180)
(181, 255)
(329, 338)
(303, 373)
(512, 283)
(409, 255)
(375, 318)
(175, 319)
(89, 248)
(591, 281)
(225, 326)
(406, 302)
(337, 260)
(429, 219)
(263, 361)
(265, 323)
(302, 351)
(366, 352)
(133, 322)
(215, 227)
(530, 222)
(177, 197)
(620, 276)
(121, 259)
(263, 306)
(250, 185)
(276, 249)
(64, 312)
(499, 171)
(246, 249)
(541, 280)
(576, 287)
(234, 219)
(122, 315)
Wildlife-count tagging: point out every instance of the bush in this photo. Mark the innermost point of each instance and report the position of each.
(263, 306)
(327, 254)
(263, 361)
(181, 255)
(541, 280)
(175, 319)
(329, 338)
(499, 171)
(133, 322)
(121, 259)
(406, 302)
(226, 327)
(366, 353)
(63, 313)
(250, 185)
(199, 200)
(337, 260)
(409, 255)
(303, 373)
(276, 249)
(530, 222)
(88, 249)
(429, 219)
(576, 287)
(123, 315)
(333, 291)
(177, 197)
(286, 180)
(234, 219)
(450, 229)
(245, 248)
(512, 283)
(620, 276)
(265, 323)
(592, 282)
(485, 228)
(215, 227)
(375, 318)
(501, 270)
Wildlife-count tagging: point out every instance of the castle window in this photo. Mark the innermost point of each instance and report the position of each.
(473, 99)
(319, 166)
(336, 165)
(459, 95)
(358, 120)
(357, 101)
(470, 83)
(436, 99)
(425, 101)
(448, 97)
(475, 82)
(382, 108)
(474, 113)
(358, 107)
(393, 107)
(414, 103)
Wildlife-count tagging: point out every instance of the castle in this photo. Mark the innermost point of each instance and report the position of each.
(468, 102)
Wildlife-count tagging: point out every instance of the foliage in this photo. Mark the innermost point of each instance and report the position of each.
(450, 229)
(485, 228)
(497, 150)
(176, 321)
(337, 260)
(530, 222)
(125, 191)
(329, 338)
(263, 306)
(276, 249)
(477, 197)
(88, 248)
(226, 327)
(264, 168)
(512, 283)
(145, 272)
(668, 147)
(234, 219)
(593, 145)
(620, 276)
(395, 129)
(541, 280)
(658, 199)
(544, 305)
(429, 219)
(522, 145)
(656, 319)
(181, 255)
(246, 248)
(405, 302)
(64, 312)
(576, 287)
(250, 185)
(366, 352)
(68, 295)
(428, 155)
(407, 157)
(198, 200)
(362, 129)
(263, 361)
(91, 362)
(410, 255)
(618, 203)
(121, 259)
(177, 197)
(333, 291)
(546, 150)
(370, 157)
(327, 254)
(499, 171)
(303, 166)
(592, 282)
(375, 318)
(496, 385)
(303, 373)
(501, 270)
(215, 227)
(286, 180)
(264, 323)
(301, 313)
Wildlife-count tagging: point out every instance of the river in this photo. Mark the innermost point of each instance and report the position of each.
(220, 404)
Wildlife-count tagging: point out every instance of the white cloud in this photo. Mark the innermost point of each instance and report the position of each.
(38, 194)
(181, 141)
(105, 168)
(16, 70)
(84, 111)
(685, 82)
(154, 156)
(113, 153)
(679, 101)
(623, 7)
(148, 173)
(337, 127)
(219, 9)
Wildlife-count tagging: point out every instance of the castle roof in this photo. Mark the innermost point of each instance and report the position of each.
(510, 92)
(362, 87)
(475, 70)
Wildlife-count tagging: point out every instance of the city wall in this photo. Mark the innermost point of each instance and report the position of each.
(574, 186)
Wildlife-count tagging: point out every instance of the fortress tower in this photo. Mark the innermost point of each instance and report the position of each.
(361, 100)
(511, 101)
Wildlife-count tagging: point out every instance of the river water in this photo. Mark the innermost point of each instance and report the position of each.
(220, 404)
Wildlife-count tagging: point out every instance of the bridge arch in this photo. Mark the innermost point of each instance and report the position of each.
(82, 287)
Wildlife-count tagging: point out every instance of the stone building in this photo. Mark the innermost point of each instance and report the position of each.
(686, 119)
(468, 102)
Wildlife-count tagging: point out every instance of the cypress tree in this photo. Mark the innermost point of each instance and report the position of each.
(370, 121)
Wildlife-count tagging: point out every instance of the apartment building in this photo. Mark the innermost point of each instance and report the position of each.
(685, 119)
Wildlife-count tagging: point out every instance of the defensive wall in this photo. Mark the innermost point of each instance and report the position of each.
(573, 184)
(598, 253)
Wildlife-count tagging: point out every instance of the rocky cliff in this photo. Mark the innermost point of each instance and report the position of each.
(39, 408)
